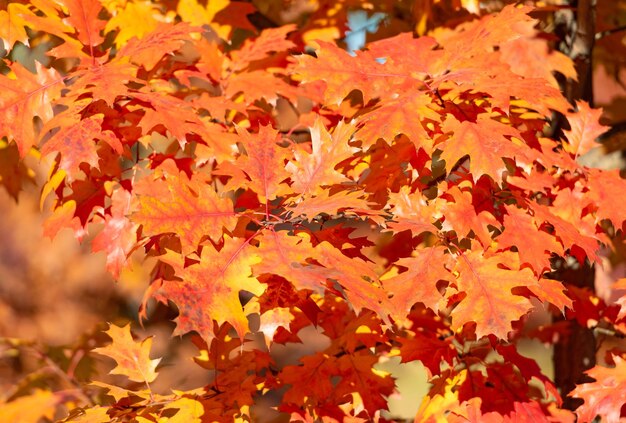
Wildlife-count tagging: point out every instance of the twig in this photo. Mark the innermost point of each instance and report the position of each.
(600, 35)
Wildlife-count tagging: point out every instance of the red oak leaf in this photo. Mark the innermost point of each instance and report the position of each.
(488, 299)
(209, 290)
(430, 350)
(76, 141)
(187, 207)
(264, 163)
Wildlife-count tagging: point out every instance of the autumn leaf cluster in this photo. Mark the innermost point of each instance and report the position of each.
(413, 205)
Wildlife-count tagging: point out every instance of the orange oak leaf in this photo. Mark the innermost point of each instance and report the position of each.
(405, 54)
(491, 74)
(75, 141)
(418, 284)
(163, 40)
(220, 144)
(572, 233)
(604, 187)
(64, 216)
(286, 255)
(585, 129)
(531, 57)
(495, 78)
(601, 397)
(402, 116)
(551, 291)
(551, 156)
(478, 37)
(310, 171)
(211, 62)
(269, 41)
(132, 358)
(461, 216)
(411, 212)
(209, 289)
(535, 181)
(534, 250)
(48, 19)
(358, 278)
(25, 96)
(258, 84)
(343, 73)
(173, 113)
(118, 236)
(264, 163)
(487, 143)
(13, 23)
(107, 81)
(488, 299)
(272, 319)
(187, 207)
(83, 17)
(346, 202)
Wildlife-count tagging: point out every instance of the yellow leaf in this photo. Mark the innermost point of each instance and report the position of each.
(433, 409)
(29, 408)
(328, 34)
(133, 358)
(96, 414)
(12, 25)
(136, 19)
(272, 319)
(196, 14)
(189, 411)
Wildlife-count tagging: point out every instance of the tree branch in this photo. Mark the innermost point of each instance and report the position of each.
(600, 35)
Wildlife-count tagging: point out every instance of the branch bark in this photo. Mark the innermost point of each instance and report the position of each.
(577, 352)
